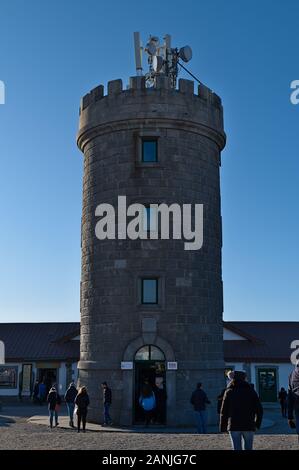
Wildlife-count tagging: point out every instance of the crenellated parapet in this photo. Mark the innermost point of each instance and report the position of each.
(125, 108)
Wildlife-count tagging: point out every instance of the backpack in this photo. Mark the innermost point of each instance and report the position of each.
(148, 403)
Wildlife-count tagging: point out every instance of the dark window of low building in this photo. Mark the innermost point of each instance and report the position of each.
(149, 291)
(149, 150)
(8, 376)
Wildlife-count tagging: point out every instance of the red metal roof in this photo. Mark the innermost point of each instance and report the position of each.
(40, 341)
(264, 341)
(270, 341)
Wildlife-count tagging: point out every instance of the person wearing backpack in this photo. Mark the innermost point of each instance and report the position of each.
(147, 401)
(293, 399)
(54, 402)
(69, 397)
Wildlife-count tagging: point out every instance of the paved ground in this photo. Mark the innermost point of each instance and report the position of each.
(16, 432)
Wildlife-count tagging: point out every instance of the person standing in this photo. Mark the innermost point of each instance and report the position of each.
(282, 397)
(241, 412)
(147, 401)
(161, 399)
(230, 376)
(54, 402)
(199, 400)
(293, 399)
(69, 397)
(107, 401)
(82, 402)
(42, 392)
(35, 392)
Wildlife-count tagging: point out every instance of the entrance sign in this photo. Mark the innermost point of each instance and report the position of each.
(126, 365)
(172, 366)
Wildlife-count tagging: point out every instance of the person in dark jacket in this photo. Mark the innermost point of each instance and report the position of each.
(35, 392)
(293, 399)
(241, 412)
(199, 400)
(282, 397)
(107, 401)
(54, 402)
(230, 376)
(161, 399)
(220, 400)
(69, 397)
(82, 402)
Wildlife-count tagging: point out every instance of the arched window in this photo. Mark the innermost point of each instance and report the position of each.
(149, 353)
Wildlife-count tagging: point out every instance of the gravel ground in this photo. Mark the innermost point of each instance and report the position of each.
(21, 435)
(17, 433)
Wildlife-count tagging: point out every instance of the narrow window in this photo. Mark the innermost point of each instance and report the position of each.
(150, 219)
(149, 150)
(149, 291)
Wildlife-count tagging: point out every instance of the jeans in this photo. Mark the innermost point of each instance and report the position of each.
(70, 409)
(53, 413)
(107, 419)
(242, 439)
(201, 421)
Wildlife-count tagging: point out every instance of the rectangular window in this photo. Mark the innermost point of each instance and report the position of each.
(150, 221)
(149, 291)
(8, 377)
(149, 150)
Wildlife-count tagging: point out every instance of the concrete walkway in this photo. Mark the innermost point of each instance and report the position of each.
(64, 424)
(38, 415)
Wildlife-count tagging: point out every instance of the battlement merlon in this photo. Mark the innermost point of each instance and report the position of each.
(100, 113)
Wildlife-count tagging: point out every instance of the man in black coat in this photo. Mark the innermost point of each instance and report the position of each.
(107, 401)
(241, 412)
(199, 400)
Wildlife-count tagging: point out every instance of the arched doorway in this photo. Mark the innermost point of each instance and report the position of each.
(149, 365)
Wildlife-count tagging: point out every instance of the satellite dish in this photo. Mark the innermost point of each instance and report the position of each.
(151, 48)
(185, 53)
(157, 63)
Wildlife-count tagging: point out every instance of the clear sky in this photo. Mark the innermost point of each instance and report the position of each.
(53, 51)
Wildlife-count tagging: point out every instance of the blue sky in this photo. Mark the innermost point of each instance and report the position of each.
(53, 52)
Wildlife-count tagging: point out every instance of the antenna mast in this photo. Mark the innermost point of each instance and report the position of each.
(138, 53)
(162, 58)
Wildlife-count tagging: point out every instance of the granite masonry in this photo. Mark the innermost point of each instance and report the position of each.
(185, 322)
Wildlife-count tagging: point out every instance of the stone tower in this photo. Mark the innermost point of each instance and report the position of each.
(151, 310)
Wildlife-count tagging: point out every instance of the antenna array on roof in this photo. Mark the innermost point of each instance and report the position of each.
(162, 58)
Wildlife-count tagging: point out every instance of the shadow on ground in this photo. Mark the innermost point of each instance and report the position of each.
(6, 421)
